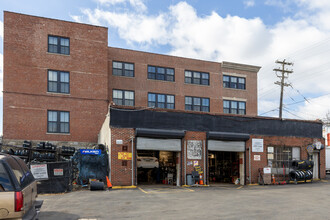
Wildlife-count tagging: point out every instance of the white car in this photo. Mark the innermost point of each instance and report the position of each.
(147, 162)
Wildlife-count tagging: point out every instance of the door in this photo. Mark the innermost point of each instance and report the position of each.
(316, 165)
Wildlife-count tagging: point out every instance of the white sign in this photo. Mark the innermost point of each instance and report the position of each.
(267, 170)
(194, 150)
(257, 145)
(119, 141)
(257, 157)
(270, 149)
(39, 171)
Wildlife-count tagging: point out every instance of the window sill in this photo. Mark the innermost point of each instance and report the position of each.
(160, 80)
(235, 89)
(129, 77)
(59, 133)
(67, 55)
(195, 84)
(58, 93)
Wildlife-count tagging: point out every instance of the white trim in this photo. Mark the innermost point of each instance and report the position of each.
(234, 99)
(234, 74)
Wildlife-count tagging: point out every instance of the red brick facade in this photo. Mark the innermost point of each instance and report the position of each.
(26, 62)
(122, 174)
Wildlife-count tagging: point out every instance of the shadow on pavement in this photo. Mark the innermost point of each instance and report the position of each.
(57, 215)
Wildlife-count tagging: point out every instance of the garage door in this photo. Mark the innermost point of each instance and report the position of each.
(158, 144)
(231, 146)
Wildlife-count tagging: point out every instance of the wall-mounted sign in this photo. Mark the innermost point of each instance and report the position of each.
(270, 156)
(195, 163)
(119, 141)
(39, 171)
(124, 156)
(189, 163)
(194, 150)
(58, 172)
(257, 157)
(90, 151)
(270, 150)
(257, 145)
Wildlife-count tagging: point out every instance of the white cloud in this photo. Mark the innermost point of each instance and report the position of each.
(136, 4)
(1, 29)
(302, 38)
(249, 3)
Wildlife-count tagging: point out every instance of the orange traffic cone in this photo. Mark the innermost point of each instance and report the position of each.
(109, 185)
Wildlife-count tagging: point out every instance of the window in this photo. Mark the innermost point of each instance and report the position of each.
(234, 107)
(233, 82)
(58, 81)
(160, 100)
(160, 73)
(121, 97)
(282, 157)
(58, 122)
(197, 104)
(122, 69)
(193, 77)
(59, 45)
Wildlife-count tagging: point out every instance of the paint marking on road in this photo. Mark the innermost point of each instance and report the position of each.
(191, 190)
(142, 190)
(240, 187)
(324, 181)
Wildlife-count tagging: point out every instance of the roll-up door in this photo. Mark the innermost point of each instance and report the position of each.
(158, 144)
(231, 146)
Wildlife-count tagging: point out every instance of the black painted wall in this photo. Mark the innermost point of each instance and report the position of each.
(124, 118)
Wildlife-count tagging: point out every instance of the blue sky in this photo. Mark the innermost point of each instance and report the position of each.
(247, 31)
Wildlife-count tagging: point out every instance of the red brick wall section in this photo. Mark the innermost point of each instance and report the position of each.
(280, 141)
(26, 62)
(141, 85)
(193, 135)
(121, 175)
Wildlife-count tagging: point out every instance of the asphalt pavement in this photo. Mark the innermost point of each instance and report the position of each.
(222, 201)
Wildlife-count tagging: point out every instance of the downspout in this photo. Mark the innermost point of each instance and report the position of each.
(245, 166)
(185, 162)
(205, 158)
(250, 165)
(132, 161)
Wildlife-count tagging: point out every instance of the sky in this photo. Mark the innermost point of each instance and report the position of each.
(255, 32)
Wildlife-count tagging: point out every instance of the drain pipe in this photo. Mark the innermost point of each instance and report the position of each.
(185, 162)
(132, 161)
(205, 158)
(249, 164)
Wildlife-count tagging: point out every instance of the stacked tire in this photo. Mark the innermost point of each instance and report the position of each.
(303, 170)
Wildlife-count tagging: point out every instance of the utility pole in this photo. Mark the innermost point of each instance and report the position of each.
(284, 74)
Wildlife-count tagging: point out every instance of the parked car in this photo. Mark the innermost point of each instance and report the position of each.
(18, 190)
(147, 162)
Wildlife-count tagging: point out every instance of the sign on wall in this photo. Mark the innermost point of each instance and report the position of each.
(257, 157)
(39, 171)
(194, 150)
(257, 145)
(124, 156)
(90, 151)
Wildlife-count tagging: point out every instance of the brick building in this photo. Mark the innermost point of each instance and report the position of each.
(64, 84)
